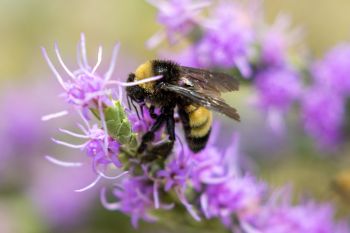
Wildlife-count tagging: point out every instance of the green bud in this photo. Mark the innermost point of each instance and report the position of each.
(118, 125)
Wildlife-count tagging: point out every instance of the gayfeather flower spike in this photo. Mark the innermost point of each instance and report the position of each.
(322, 114)
(84, 88)
(152, 186)
(228, 37)
(277, 89)
(277, 42)
(94, 148)
(89, 92)
(178, 17)
(333, 70)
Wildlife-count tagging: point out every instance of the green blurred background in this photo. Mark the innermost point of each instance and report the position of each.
(26, 25)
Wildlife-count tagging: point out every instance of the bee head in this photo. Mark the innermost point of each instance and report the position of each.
(145, 71)
(136, 93)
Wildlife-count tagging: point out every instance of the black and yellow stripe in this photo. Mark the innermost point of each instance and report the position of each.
(197, 123)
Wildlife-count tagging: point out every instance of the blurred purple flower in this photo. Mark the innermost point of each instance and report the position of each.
(23, 127)
(22, 133)
(280, 216)
(52, 194)
(323, 115)
(236, 195)
(213, 166)
(224, 190)
(178, 17)
(333, 71)
(208, 167)
(228, 37)
(277, 88)
(276, 42)
(22, 107)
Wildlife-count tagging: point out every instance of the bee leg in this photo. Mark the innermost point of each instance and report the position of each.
(137, 112)
(159, 151)
(152, 113)
(149, 136)
(141, 108)
(170, 124)
(129, 104)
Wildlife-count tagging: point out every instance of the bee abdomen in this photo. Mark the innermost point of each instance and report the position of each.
(197, 123)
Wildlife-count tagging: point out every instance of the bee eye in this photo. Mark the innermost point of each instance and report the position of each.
(136, 93)
(131, 78)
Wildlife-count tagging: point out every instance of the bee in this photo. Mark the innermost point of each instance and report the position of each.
(341, 185)
(195, 93)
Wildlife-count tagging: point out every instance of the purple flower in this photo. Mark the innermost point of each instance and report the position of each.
(85, 88)
(176, 176)
(279, 216)
(236, 195)
(228, 37)
(224, 190)
(141, 125)
(24, 135)
(304, 218)
(95, 148)
(144, 123)
(323, 115)
(51, 191)
(22, 132)
(213, 166)
(99, 146)
(178, 16)
(135, 197)
(334, 70)
(277, 88)
(276, 42)
(208, 167)
(177, 171)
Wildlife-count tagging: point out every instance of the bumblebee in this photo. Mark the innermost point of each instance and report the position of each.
(341, 185)
(195, 93)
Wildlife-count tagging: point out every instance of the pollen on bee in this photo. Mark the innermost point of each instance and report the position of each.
(145, 71)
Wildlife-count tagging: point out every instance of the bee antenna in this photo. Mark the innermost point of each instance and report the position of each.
(135, 83)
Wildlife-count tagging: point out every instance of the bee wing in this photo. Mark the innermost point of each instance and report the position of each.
(210, 81)
(207, 99)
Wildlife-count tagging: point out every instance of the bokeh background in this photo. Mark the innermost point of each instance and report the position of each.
(36, 196)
